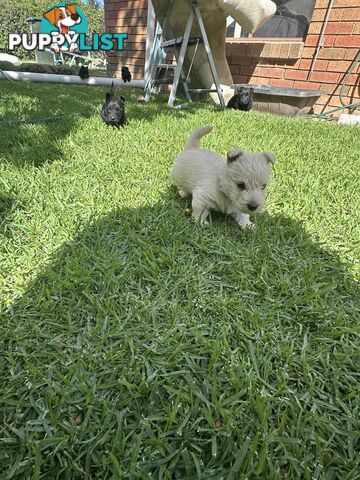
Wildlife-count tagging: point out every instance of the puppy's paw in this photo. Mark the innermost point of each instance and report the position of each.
(247, 226)
(200, 219)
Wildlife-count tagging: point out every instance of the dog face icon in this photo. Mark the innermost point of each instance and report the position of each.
(63, 18)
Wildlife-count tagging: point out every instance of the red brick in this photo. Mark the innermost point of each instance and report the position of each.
(132, 17)
(353, 80)
(332, 53)
(325, 77)
(346, 90)
(269, 72)
(136, 38)
(239, 50)
(240, 79)
(285, 50)
(125, 4)
(353, 91)
(295, 75)
(130, 53)
(312, 40)
(123, 24)
(266, 52)
(334, 101)
(228, 47)
(350, 54)
(323, 100)
(329, 40)
(246, 70)
(296, 50)
(136, 46)
(275, 50)
(139, 30)
(321, 65)
(346, 3)
(254, 50)
(340, 28)
(322, 3)
(351, 14)
(305, 64)
(278, 82)
(338, 66)
(328, 87)
(348, 41)
(241, 61)
(315, 27)
(235, 69)
(308, 52)
(260, 80)
(307, 85)
(318, 15)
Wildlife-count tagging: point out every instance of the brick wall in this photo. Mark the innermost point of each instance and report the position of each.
(287, 64)
(127, 16)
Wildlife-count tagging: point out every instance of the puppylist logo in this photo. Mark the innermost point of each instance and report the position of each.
(64, 28)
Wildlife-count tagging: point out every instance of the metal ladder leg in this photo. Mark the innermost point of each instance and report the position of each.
(152, 73)
(181, 58)
(186, 87)
(195, 8)
(157, 55)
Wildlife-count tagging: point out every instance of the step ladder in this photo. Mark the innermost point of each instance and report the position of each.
(178, 75)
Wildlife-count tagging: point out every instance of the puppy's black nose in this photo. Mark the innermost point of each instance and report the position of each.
(252, 206)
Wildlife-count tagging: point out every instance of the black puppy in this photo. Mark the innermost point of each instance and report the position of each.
(125, 74)
(242, 100)
(113, 110)
(84, 72)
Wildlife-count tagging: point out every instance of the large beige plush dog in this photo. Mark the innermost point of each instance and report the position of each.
(236, 186)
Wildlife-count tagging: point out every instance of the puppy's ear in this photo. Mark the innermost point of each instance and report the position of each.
(269, 157)
(234, 154)
(51, 16)
(251, 90)
(122, 98)
(72, 9)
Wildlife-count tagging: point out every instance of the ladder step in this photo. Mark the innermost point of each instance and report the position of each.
(167, 65)
(202, 90)
(176, 42)
(169, 80)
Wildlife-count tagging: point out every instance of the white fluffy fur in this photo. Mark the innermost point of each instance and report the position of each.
(237, 186)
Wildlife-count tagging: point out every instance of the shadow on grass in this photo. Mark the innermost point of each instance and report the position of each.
(7, 205)
(150, 347)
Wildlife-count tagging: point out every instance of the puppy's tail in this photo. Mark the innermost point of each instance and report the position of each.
(194, 140)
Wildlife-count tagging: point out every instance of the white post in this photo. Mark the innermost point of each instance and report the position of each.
(149, 38)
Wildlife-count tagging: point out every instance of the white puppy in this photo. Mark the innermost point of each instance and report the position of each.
(237, 186)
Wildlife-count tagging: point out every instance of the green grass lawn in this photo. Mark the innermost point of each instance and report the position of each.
(136, 344)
